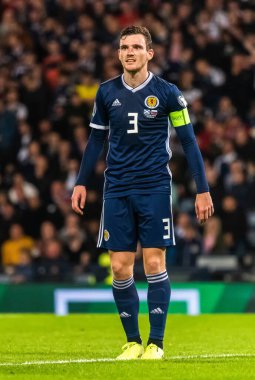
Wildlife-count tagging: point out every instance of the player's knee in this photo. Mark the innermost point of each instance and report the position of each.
(121, 271)
(153, 265)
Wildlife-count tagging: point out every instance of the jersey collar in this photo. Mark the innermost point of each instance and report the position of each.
(142, 85)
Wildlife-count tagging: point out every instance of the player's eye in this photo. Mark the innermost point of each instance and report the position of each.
(123, 47)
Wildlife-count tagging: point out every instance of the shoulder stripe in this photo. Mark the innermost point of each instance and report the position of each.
(97, 126)
(110, 80)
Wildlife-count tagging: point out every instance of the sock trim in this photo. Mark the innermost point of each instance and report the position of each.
(122, 281)
(160, 280)
(156, 274)
(123, 284)
(153, 278)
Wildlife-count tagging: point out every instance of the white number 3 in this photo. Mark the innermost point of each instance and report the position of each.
(133, 121)
(166, 223)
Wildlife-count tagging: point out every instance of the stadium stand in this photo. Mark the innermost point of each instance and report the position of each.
(53, 55)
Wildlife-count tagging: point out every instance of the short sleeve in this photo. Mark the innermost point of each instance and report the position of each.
(99, 118)
(177, 108)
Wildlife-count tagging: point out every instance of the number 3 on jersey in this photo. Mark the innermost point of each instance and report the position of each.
(133, 121)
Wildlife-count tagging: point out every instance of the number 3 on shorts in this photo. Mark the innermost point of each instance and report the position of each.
(166, 228)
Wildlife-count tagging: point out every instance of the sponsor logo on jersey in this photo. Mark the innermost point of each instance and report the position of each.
(116, 103)
(151, 114)
(106, 235)
(151, 101)
(181, 100)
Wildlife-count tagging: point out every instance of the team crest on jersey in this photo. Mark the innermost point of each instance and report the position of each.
(151, 114)
(106, 235)
(151, 101)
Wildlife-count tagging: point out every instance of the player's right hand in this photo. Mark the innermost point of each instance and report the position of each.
(79, 199)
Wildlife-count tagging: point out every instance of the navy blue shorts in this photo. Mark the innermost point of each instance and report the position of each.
(146, 218)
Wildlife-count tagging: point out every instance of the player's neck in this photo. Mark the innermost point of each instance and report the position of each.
(134, 79)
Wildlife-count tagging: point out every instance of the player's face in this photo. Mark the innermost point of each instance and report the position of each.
(133, 52)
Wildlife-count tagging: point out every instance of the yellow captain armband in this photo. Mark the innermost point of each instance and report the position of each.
(179, 118)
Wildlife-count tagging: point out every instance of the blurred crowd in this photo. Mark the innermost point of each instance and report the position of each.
(53, 56)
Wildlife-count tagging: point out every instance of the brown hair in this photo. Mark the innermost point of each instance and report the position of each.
(133, 29)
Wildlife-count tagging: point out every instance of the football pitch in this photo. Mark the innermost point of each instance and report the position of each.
(84, 347)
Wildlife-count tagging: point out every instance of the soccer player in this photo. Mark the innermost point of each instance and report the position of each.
(135, 111)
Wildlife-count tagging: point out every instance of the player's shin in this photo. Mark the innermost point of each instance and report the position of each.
(159, 292)
(127, 302)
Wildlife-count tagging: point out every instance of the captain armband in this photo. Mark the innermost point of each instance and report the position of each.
(179, 118)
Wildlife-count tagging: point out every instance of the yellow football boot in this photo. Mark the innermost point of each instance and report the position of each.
(153, 352)
(131, 350)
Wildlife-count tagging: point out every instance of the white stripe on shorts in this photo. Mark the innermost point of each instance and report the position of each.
(172, 220)
(101, 228)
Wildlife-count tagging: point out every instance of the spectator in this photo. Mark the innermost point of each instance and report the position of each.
(60, 197)
(71, 174)
(21, 191)
(34, 94)
(13, 105)
(52, 62)
(52, 266)
(244, 145)
(83, 266)
(24, 271)
(216, 186)
(238, 185)
(47, 232)
(212, 239)
(240, 78)
(87, 88)
(8, 134)
(189, 247)
(11, 249)
(225, 109)
(189, 90)
(33, 216)
(224, 160)
(234, 226)
(8, 216)
(76, 111)
(41, 177)
(71, 228)
(64, 155)
(25, 138)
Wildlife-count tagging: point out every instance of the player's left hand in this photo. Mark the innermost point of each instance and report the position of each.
(204, 207)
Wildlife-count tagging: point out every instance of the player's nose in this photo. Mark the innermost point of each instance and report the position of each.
(130, 51)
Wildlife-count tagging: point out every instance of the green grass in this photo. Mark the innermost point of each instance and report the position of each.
(194, 348)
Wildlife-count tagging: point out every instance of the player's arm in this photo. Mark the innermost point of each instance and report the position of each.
(203, 204)
(99, 133)
(90, 156)
(181, 122)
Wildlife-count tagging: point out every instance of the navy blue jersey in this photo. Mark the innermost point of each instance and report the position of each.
(138, 120)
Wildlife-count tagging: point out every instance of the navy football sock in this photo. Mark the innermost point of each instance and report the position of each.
(127, 302)
(158, 301)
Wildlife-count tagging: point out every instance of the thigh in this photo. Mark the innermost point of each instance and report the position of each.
(155, 220)
(117, 230)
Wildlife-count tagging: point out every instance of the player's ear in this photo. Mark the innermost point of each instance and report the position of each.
(119, 54)
(150, 53)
